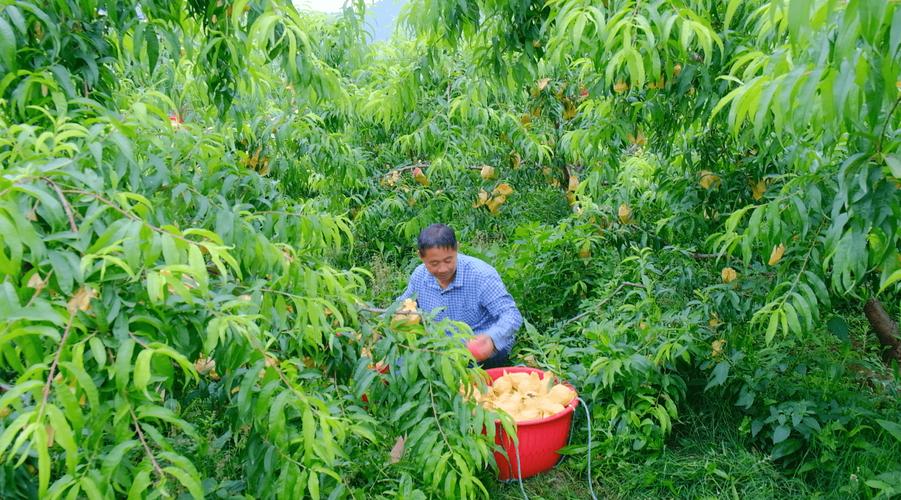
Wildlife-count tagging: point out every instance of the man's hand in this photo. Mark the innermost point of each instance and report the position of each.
(481, 347)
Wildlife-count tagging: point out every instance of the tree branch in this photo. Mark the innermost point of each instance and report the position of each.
(601, 303)
(885, 124)
(137, 424)
(886, 329)
(424, 165)
(62, 342)
(131, 216)
(66, 206)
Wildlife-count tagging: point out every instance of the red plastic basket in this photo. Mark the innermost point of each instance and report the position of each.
(539, 439)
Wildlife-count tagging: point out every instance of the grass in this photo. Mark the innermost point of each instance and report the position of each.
(707, 458)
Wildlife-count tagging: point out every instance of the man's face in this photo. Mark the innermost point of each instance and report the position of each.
(440, 262)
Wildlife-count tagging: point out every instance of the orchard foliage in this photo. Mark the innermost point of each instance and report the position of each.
(677, 194)
(147, 258)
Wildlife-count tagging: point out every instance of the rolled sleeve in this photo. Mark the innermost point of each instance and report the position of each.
(501, 306)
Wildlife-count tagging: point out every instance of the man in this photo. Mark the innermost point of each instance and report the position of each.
(469, 290)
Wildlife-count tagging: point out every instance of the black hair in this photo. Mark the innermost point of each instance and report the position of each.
(437, 236)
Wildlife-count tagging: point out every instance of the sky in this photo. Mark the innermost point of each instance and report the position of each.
(320, 5)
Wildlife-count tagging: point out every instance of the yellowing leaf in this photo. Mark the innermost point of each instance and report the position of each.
(573, 183)
(397, 451)
(204, 365)
(487, 172)
(625, 213)
(728, 274)
(585, 250)
(717, 347)
(495, 203)
(482, 199)
(542, 83)
(503, 189)
(515, 160)
(81, 301)
(757, 189)
(639, 140)
(569, 110)
(709, 179)
(620, 87)
(36, 282)
(776, 254)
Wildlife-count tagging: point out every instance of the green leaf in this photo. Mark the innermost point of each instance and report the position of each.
(142, 370)
(12, 430)
(113, 458)
(153, 48)
(123, 364)
(786, 448)
(892, 279)
(186, 366)
(771, 328)
(730, 12)
(891, 427)
(314, 485)
(894, 165)
(309, 433)
(7, 45)
(139, 485)
(85, 382)
(18, 390)
(792, 317)
(90, 488)
(190, 481)
(166, 415)
(718, 375)
(839, 327)
(781, 433)
(98, 351)
(44, 463)
(64, 436)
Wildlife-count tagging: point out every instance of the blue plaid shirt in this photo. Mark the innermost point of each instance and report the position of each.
(477, 297)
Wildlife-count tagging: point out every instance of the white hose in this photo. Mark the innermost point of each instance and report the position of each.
(588, 416)
(519, 470)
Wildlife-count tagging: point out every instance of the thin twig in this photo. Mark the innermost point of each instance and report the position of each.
(695, 255)
(66, 206)
(59, 351)
(132, 216)
(156, 465)
(700, 256)
(603, 302)
(437, 418)
(885, 124)
(425, 164)
(378, 310)
(138, 340)
(40, 289)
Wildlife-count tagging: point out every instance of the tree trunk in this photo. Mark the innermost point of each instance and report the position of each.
(886, 329)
